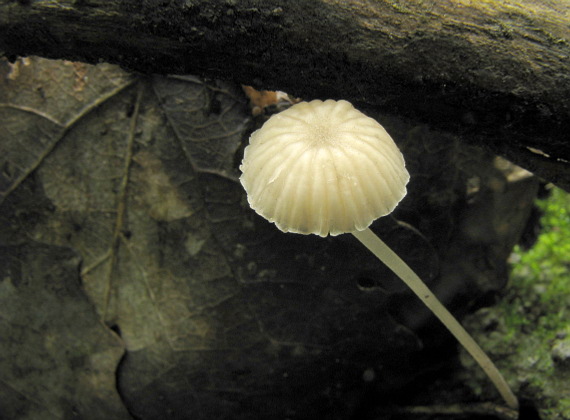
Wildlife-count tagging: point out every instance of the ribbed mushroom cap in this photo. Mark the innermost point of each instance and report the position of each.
(323, 168)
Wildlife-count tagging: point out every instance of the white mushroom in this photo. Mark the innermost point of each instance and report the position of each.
(326, 168)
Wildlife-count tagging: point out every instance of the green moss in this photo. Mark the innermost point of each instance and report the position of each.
(540, 281)
(521, 332)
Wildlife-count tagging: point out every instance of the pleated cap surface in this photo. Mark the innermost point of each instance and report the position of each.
(323, 168)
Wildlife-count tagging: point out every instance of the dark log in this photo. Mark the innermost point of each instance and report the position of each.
(497, 74)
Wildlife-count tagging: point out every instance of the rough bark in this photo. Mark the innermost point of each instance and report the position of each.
(494, 73)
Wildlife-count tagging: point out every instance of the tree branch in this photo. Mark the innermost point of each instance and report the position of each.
(495, 73)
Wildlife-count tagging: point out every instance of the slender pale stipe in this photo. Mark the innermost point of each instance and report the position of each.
(408, 276)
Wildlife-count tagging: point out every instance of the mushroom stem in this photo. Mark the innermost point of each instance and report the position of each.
(402, 270)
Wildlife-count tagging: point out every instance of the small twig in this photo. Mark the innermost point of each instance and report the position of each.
(457, 410)
(122, 201)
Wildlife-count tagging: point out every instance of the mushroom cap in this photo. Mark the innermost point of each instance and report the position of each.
(323, 168)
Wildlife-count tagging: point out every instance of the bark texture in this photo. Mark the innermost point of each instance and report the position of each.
(496, 74)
